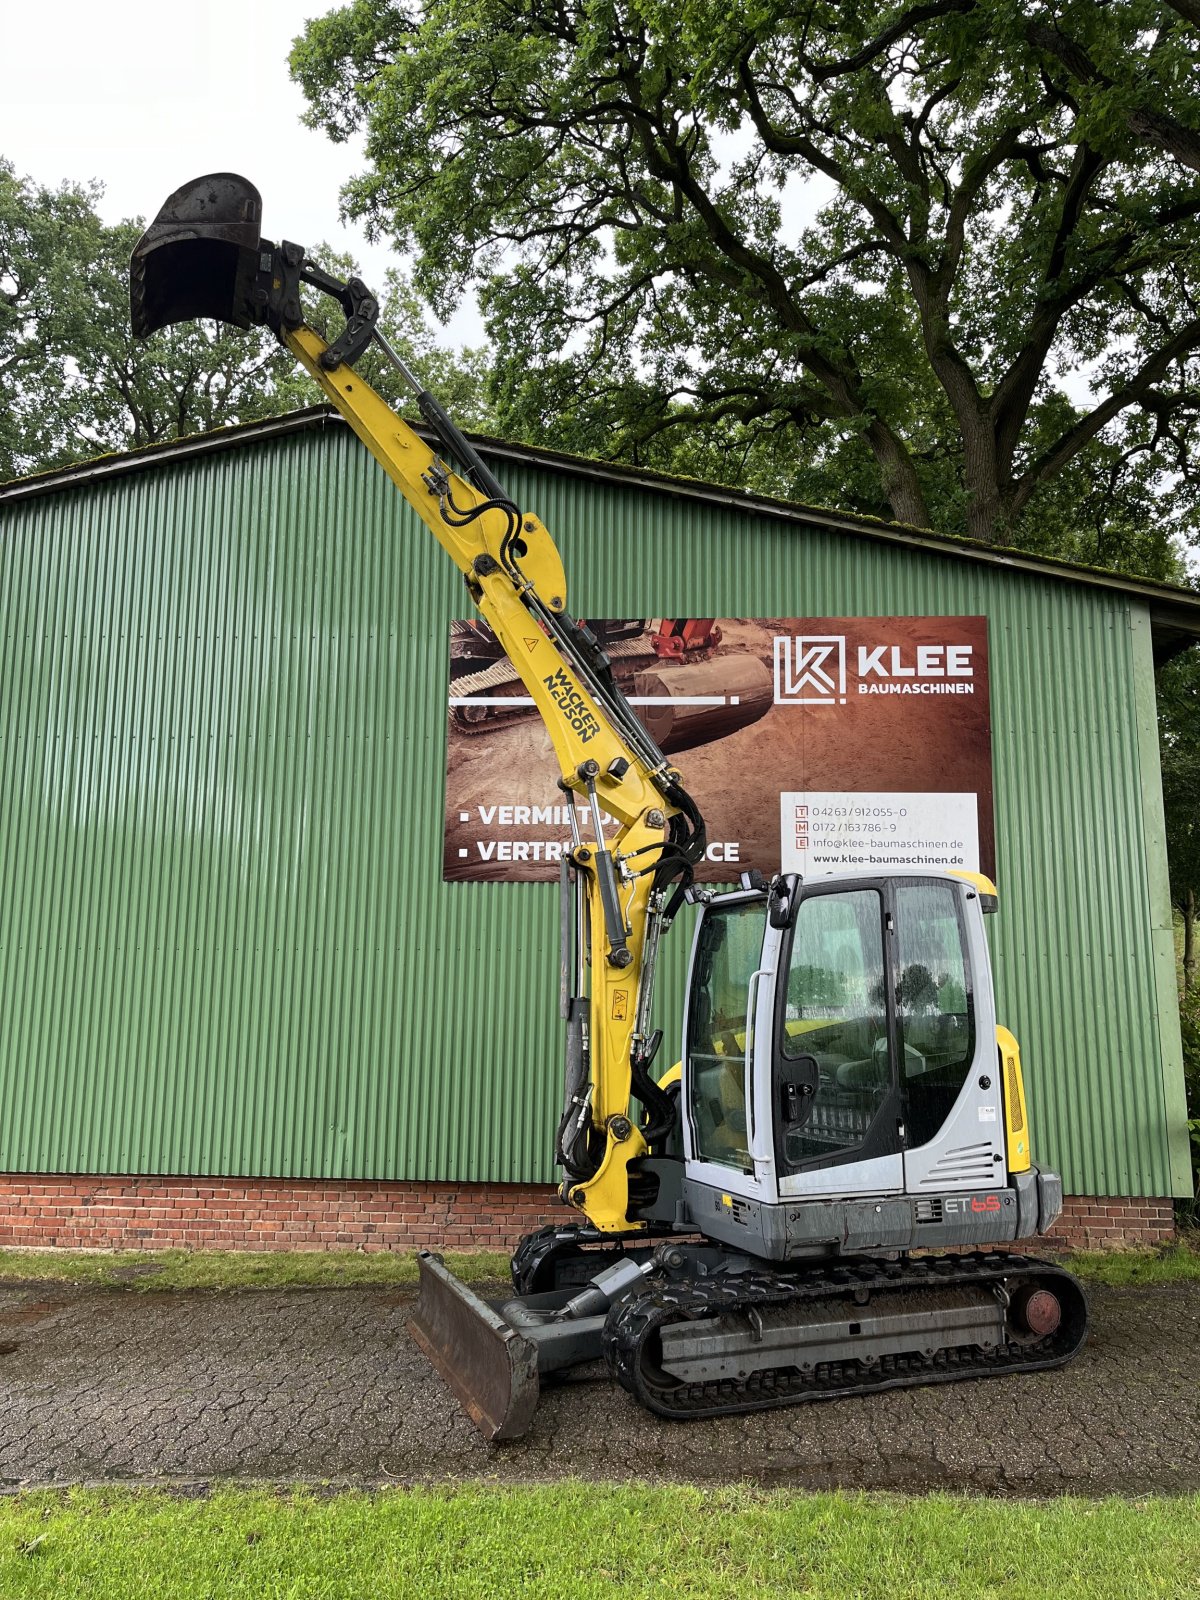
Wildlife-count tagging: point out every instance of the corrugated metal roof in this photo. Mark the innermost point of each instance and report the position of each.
(1174, 611)
(225, 946)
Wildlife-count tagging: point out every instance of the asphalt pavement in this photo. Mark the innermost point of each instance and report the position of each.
(325, 1385)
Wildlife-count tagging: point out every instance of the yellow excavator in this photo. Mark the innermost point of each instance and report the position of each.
(808, 1204)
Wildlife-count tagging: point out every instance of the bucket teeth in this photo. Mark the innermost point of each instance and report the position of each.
(199, 257)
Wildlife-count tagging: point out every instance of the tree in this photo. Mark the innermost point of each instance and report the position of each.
(75, 381)
(1179, 741)
(944, 250)
(42, 233)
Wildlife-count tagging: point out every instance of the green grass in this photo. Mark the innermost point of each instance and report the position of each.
(1172, 1263)
(237, 1269)
(332, 1269)
(589, 1542)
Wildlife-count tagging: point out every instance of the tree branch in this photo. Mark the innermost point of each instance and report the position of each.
(1056, 457)
(1147, 122)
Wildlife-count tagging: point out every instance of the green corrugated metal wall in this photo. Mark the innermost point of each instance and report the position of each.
(224, 942)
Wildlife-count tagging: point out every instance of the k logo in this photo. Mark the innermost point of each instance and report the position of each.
(810, 671)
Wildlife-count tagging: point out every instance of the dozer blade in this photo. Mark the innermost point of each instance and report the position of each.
(491, 1368)
(199, 256)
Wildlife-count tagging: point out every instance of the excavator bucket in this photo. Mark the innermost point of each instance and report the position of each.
(199, 256)
(490, 1367)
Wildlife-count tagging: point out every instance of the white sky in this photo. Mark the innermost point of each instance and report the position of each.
(144, 94)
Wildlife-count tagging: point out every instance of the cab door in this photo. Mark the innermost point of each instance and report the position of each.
(727, 1029)
(837, 1107)
(946, 1026)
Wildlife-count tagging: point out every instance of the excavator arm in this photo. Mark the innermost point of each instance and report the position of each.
(204, 256)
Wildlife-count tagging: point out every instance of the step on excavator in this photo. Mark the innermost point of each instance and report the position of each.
(809, 1204)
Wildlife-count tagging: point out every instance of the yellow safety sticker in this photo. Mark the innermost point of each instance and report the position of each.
(620, 1005)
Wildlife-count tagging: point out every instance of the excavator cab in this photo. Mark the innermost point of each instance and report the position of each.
(850, 1051)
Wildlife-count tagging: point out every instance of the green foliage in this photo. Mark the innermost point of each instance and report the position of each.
(811, 989)
(932, 262)
(1189, 1020)
(1113, 505)
(77, 384)
(918, 992)
(42, 234)
(591, 1541)
(1179, 750)
(951, 997)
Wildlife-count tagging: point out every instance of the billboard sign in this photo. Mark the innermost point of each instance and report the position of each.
(810, 744)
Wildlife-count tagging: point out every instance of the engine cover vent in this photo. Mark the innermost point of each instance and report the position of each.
(965, 1164)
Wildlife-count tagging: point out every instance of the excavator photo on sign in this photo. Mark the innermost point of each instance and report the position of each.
(746, 1219)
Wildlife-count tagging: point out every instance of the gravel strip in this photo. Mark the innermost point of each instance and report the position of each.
(325, 1385)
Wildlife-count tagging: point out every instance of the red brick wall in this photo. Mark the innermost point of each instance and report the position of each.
(1100, 1222)
(268, 1213)
(294, 1214)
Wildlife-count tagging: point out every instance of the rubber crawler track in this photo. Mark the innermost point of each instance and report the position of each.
(631, 1345)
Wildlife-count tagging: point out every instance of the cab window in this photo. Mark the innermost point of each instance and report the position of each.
(728, 953)
(835, 1017)
(934, 1005)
